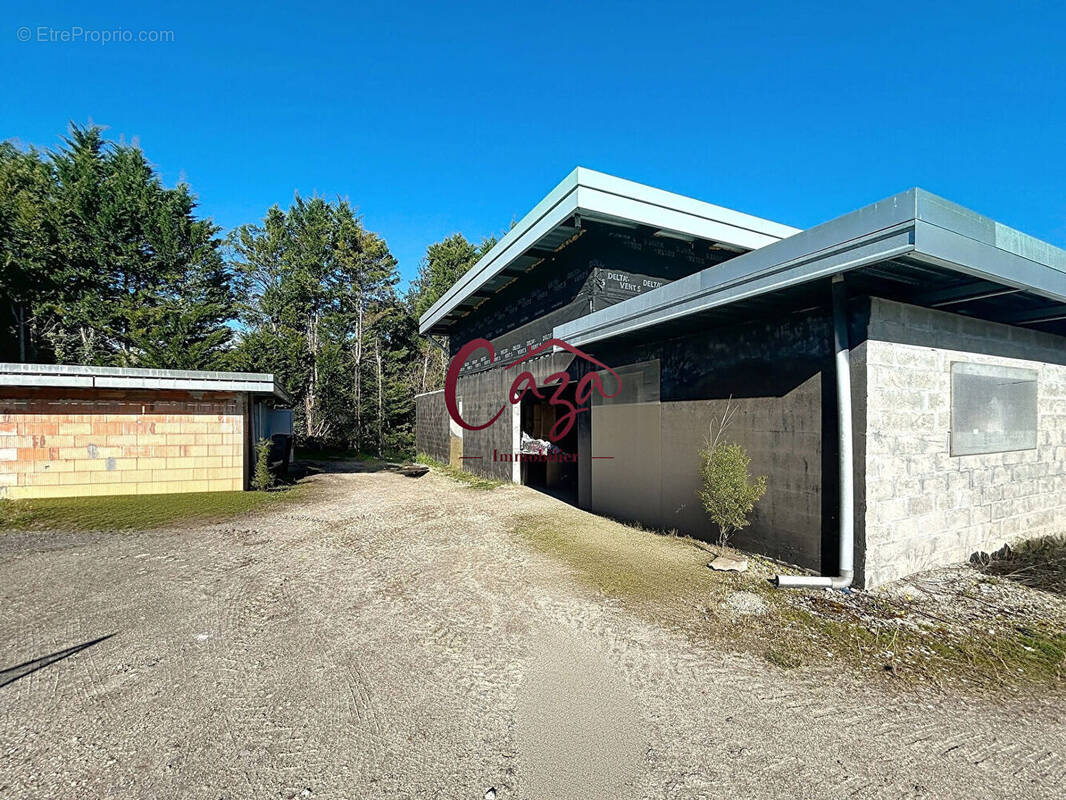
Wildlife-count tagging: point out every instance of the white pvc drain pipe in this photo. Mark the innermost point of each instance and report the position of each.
(842, 360)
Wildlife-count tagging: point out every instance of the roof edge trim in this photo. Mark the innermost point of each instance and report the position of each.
(596, 193)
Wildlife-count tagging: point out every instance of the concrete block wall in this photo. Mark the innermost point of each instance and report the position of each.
(923, 506)
(783, 436)
(776, 373)
(56, 443)
(481, 395)
(431, 425)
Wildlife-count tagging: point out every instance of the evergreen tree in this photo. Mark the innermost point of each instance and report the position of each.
(28, 255)
(316, 282)
(445, 262)
(104, 265)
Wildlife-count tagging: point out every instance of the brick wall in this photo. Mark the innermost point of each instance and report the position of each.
(68, 443)
(923, 506)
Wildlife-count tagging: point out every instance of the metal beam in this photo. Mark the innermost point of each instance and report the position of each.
(1049, 314)
(962, 293)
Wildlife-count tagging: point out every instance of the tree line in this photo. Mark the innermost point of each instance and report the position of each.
(101, 264)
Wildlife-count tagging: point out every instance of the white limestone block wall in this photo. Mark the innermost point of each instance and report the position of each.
(925, 507)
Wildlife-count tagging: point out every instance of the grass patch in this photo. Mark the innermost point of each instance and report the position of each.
(136, 512)
(471, 480)
(665, 579)
(783, 658)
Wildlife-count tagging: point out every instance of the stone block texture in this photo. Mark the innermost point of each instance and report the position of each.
(923, 506)
(66, 443)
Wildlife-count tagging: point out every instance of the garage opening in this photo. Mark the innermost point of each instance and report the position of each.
(550, 467)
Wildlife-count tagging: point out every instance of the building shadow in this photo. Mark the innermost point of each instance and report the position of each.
(12, 674)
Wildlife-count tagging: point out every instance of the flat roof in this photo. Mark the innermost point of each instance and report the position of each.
(85, 377)
(588, 194)
(913, 246)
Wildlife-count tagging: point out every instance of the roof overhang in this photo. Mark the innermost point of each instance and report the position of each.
(914, 245)
(587, 194)
(83, 377)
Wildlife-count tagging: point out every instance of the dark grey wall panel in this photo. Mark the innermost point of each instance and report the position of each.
(602, 266)
(778, 373)
(431, 425)
(482, 394)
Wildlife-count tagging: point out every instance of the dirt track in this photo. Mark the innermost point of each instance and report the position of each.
(390, 638)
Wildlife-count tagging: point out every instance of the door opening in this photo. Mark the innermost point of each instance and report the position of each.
(549, 467)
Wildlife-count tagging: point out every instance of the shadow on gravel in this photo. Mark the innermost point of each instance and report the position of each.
(12, 674)
(306, 467)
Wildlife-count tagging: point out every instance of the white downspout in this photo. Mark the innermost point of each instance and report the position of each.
(846, 451)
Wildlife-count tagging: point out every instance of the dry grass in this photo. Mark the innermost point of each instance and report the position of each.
(1038, 563)
(665, 579)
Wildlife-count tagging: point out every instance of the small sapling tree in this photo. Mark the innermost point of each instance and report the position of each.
(728, 492)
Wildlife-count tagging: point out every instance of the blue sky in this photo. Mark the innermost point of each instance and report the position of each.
(434, 119)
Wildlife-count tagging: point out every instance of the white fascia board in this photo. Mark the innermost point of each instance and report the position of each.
(595, 194)
(108, 382)
(31, 380)
(129, 372)
(85, 377)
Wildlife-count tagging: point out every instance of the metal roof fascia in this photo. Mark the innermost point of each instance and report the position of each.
(76, 376)
(651, 195)
(731, 289)
(880, 230)
(81, 369)
(941, 233)
(596, 193)
(637, 210)
(979, 259)
(554, 208)
(185, 385)
(33, 380)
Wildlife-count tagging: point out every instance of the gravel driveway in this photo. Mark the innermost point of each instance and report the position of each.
(391, 638)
